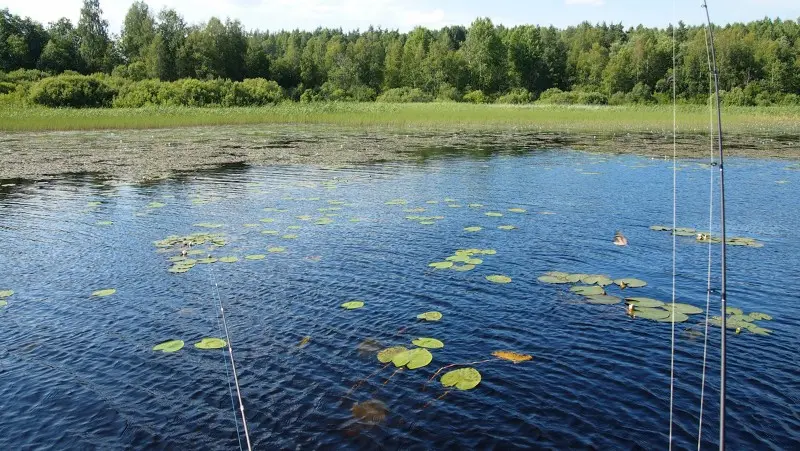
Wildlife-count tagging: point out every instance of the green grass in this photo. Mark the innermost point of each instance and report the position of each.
(432, 116)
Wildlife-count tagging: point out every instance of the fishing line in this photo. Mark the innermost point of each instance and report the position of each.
(710, 227)
(674, 223)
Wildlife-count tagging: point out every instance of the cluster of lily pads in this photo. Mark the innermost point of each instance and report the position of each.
(592, 286)
(5, 294)
(462, 260)
(707, 237)
(736, 319)
(176, 345)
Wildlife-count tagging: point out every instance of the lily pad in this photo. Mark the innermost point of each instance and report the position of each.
(104, 223)
(687, 309)
(463, 268)
(179, 269)
(498, 278)
(441, 265)
(552, 279)
(475, 205)
(644, 302)
(3, 304)
(650, 313)
(270, 232)
(229, 259)
(473, 229)
(574, 278)
(660, 228)
(517, 210)
(678, 318)
(352, 305)
(597, 279)
(207, 260)
(289, 236)
(104, 293)
(603, 299)
(733, 311)
(169, 346)
(462, 379)
(210, 343)
(512, 356)
(760, 330)
(413, 359)
(6, 293)
(430, 343)
(386, 355)
(156, 205)
(276, 249)
(487, 251)
(630, 283)
(507, 227)
(459, 258)
(370, 412)
(588, 290)
(474, 261)
(255, 257)
(209, 225)
(430, 316)
(493, 214)
(757, 316)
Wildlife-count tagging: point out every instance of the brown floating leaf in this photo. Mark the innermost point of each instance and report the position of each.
(512, 356)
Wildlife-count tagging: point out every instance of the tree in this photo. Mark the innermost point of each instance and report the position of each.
(138, 31)
(93, 38)
(21, 42)
(162, 55)
(61, 52)
(486, 56)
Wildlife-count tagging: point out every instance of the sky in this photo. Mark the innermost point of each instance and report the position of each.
(406, 14)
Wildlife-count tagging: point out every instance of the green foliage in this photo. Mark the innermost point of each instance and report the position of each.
(190, 92)
(253, 92)
(72, 91)
(476, 96)
(556, 96)
(516, 96)
(92, 33)
(404, 95)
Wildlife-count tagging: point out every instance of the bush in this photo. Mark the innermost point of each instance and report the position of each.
(21, 76)
(557, 96)
(7, 87)
(135, 71)
(72, 91)
(516, 96)
(476, 96)
(641, 93)
(734, 97)
(447, 93)
(253, 92)
(790, 99)
(403, 95)
(143, 93)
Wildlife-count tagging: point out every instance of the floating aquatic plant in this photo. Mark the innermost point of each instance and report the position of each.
(169, 346)
(588, 290)
(104, 223)
(352, 305)
(424, 342)
(430, 316)
(209, 225)
(603, 299)
(370, 412)
(289, 236)
(104, 293)
(630, 283)
(397, 202)
(304, 342)
(493, 214)
(6, 293)
(156, 205)
(517, 210)
(3, 303)
(682, 308)
(255, 257)
(229, 259)
(462, 378)
(511, 356)
(507, 227)
(441, 265)
(473, 229)
(475, 205)
(412, 358)
(677, 317)
(597, 279)
(552, 279)
(463, 268)
(210, 343)
(207, 260)
(644, 302)
(276, 249)
(498, 278)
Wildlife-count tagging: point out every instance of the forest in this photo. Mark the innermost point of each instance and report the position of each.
(159, 59)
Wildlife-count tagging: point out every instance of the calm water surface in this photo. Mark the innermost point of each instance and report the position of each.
(78, 372)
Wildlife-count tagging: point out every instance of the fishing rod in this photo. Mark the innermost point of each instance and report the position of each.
(723, 291)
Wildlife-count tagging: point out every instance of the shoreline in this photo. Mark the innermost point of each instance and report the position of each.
(148, 154)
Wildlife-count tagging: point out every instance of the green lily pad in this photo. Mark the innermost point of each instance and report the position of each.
(573, 278)
(462, 379)
(229, 259)
(463, 268)
(740, 319)
(487, 251)
(156, 205)
(6, 293)
(474, 261)
(267, 220)
(588, 290)
(517, 210)
(270, 232)
(458, 258)
(413, 359)
(386, 355)
(104, 293)
(498, 278)
(430, 343)
(104, 223)
(733, 311)
(644, 302)
(660, 228)
(207, 260)
(687, 309)
(430, 316)
(324, 221)
(3, 304)
(603, 299)
(650, 313)
(686, 230)
(507, 227)
(179, 269)
(210, 343)
(475, 205)
(754, 315)
(294, 227)
(441, 265)
(276, 249)
(551, 279)
(630, 283)
(473, 229)
(493, 214)
(289, 236)
(677, 232)
(209, 225)
(255, 257)
(196, 252)
(678, 318)
(760, 330)
(597, 279)
(169, 346)
(352, 305)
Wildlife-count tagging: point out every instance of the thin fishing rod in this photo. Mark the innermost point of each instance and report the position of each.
(723, 288)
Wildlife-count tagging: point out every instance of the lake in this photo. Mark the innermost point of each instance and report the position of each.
(79, 372)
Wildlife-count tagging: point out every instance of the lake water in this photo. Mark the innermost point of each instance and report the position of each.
(79, 372)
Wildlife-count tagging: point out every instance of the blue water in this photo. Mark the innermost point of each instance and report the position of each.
(78, 372)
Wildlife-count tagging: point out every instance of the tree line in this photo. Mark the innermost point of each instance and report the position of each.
(759, 61)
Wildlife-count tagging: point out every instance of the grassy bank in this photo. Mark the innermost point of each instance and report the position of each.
(432, 116)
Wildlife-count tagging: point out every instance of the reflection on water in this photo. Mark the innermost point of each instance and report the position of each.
(79, 372)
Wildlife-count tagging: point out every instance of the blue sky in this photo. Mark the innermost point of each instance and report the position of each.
(405, 14)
